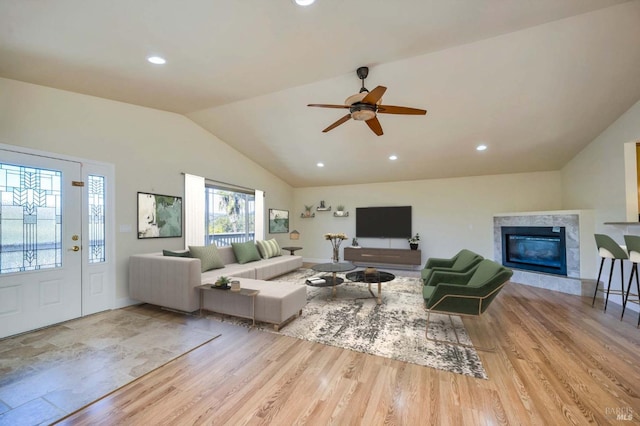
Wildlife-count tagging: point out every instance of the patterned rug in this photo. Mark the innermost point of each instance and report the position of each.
(395, 329)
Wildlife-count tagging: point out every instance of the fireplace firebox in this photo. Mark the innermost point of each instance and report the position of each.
(535, 248)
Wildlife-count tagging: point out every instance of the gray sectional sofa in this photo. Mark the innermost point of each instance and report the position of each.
(171, 282)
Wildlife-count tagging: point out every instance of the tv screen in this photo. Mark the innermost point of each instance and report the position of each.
(383, 222)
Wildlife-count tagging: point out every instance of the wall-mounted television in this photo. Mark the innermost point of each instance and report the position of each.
(383, 222)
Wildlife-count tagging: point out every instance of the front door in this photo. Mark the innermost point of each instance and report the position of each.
(40, 241)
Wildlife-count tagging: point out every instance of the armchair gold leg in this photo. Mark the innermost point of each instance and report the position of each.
(457, 342)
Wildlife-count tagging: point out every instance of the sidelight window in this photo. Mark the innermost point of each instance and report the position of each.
(96, 219)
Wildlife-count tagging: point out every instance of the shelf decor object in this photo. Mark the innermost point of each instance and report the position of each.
(307, 211)
(340, 211)
(323, 208)
(414, 241)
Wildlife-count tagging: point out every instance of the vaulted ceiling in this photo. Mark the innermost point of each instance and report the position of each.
(535, 81)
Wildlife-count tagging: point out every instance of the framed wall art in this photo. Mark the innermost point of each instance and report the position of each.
(159, 216)
(278, 221)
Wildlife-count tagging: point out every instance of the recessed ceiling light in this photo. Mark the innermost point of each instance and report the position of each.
(393, 157)
(320, 164)
(481, 147)
(157, 60)
(304, 2)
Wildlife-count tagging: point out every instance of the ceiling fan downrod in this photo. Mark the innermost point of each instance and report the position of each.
(362, 73)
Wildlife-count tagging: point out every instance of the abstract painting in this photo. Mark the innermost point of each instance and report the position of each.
(159, 216)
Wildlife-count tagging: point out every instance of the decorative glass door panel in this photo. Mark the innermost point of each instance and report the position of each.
(30, 219)
(96, 218)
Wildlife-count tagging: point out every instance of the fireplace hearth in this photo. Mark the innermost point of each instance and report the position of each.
(535, 248)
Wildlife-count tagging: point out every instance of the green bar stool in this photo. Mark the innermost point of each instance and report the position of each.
(633, 248)
(609, 249)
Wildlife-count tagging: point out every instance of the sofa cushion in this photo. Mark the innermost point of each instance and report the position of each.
(268, 248)
(208, 255)
(245, 252)
(176, 253)
(233, 270)
(269, 268)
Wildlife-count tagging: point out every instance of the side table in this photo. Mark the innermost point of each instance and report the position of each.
(292, 250)
(332, 280)
(243, 293)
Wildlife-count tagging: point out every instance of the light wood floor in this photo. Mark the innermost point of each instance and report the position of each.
(558, 361)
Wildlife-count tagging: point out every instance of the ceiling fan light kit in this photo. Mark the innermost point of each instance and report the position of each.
(362, 112)
(366, 105)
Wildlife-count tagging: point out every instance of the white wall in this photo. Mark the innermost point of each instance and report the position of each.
(149, 149)
(595, 178)
(449, 214)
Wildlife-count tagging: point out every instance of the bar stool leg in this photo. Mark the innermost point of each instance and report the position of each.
(595, 293)
(621, 280)
(625, 297)
(606, 300)
(638, 290)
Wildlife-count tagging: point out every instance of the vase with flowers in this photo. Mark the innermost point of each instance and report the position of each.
(413, 242)
(336, 240)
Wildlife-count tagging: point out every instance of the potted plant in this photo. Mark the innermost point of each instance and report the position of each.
(340, 210)
(413, 241)
(307, 210)
(222, 281)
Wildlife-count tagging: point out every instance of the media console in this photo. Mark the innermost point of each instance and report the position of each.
(388, 256)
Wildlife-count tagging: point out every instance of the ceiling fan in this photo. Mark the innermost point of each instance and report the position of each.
(365, 106)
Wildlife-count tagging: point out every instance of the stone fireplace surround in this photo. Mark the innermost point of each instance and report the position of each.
(580, 244)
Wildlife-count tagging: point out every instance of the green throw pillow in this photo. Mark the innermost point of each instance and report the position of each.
(208, 255)
(176, 253)
(245, 252)
(268, 248)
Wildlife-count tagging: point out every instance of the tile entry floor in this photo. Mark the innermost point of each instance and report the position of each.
(49, 373)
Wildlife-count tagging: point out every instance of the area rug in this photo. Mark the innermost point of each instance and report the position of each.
(49, 373)
(395, 329)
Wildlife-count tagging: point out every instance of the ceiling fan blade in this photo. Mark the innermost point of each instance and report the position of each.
(337, 123)
(375, 95)
(374, 125)
(390, 109)
(329, 106)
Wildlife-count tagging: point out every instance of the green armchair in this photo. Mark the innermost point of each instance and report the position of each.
(465, 293)
(464, 261)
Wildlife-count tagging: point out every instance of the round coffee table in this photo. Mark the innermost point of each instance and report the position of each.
(374, 276)
(332, 280)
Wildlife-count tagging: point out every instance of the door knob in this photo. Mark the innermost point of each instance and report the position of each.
(75, 248)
